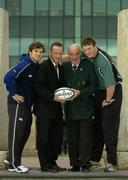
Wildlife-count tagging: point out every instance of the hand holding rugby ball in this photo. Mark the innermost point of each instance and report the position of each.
(65, 94)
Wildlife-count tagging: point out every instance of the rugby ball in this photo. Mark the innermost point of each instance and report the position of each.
(65, 93)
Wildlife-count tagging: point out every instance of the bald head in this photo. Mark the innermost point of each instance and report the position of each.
(74, 53)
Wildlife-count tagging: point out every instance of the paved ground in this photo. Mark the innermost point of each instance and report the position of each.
(33, 162)
(63, 161)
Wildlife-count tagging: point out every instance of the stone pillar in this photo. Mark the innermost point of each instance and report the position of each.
(3, 68)
(122, 63)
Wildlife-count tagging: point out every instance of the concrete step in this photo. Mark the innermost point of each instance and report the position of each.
(37, 174)
(63, 161)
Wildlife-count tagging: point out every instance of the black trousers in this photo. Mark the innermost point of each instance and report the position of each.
(79, 141)
(49, 140)
(20, 120)
(107, 126)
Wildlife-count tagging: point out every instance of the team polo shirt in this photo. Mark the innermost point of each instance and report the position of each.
(103, 70)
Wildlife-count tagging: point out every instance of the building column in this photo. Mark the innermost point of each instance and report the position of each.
(4, 65)
(3, 94)
(122, 64)
(78, 21)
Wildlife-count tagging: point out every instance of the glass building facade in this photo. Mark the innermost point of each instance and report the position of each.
(66, 21)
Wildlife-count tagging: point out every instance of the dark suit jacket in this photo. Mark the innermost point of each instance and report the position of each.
(85, 80)
(46, 82)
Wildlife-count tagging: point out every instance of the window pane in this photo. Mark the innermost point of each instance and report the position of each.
(42, 7)
(27, 28)
(97, 29)
(69, 27)
(112, 27)
(101, 43)
(13, 46)
(2, 4)
(86, 26)
(56, 7)
(67, 43)
(27, 7)
(41, 26)
(14, 23)
(112, 47)
(13, 60)
(69, 7)
(113, 7)
(13, 7)
(99, 7)
(25, 42)
(86, 7)
(56, 27)
(124, 4)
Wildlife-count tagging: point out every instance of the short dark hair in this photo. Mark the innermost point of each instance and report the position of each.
(88, 41)
(36, 45)
(56, 44)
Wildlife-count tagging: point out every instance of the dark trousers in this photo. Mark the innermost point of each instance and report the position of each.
(49, 140)
(109, 121)
(20, 120)
(80, 141)
(98, 138)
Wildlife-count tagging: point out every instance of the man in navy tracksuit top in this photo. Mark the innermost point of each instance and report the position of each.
(19, 84)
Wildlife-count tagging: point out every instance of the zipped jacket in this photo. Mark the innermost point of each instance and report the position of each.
(19, 80)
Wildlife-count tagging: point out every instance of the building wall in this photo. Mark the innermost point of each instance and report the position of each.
(66, 21)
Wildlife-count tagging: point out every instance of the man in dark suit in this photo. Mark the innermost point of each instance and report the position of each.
(80, 75)
(48, 109)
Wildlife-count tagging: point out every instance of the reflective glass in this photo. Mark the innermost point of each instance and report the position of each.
(112, 47)
(24, 43)
(67, 43)
(69, 7)
(113, 7)
(124, 4)
(56, 7)
(13, 46)
(27, 7)
(101, 43)
(86, 7)
(86, 26)
(2, 4)
(13, 60)
(14, 26)
(27, 26)
(13, 7)
(69, 27)
(56, 27)
(99, 27)
(99, 7)
(112, 27)
(42, 8)
(41, 26)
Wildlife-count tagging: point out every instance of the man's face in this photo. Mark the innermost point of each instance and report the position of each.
(74, 54)
(90, 51)
(56, 54)
(36, 54)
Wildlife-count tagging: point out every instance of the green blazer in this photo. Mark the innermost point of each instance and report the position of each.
(85, 80)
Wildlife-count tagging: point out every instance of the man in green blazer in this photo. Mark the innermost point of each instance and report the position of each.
(80, 75)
